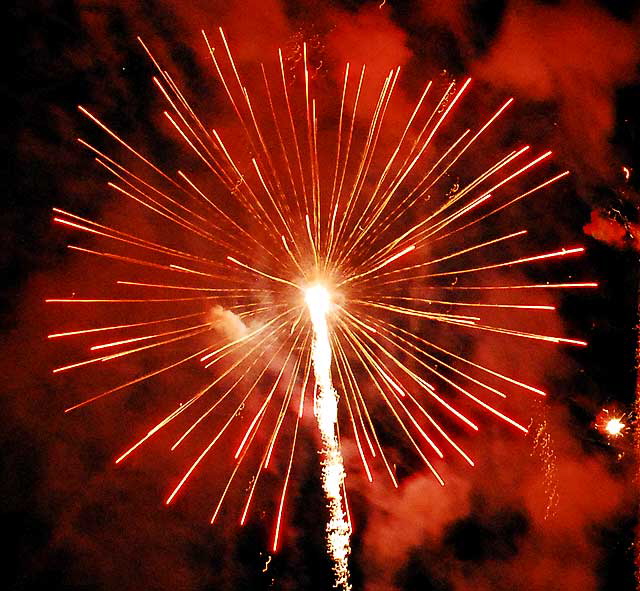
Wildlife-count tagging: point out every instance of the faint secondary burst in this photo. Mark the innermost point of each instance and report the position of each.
(330, 241)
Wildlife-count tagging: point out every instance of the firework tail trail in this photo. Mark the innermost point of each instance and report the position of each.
(326, 412)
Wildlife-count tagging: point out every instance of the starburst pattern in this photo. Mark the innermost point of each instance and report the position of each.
(369, 210)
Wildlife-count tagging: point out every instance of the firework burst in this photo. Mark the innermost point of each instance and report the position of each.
(612, 423)
(311, 262)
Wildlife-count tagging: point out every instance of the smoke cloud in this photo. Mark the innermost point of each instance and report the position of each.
(573, 56)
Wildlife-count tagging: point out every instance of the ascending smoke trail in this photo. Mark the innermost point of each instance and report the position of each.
(326, 411)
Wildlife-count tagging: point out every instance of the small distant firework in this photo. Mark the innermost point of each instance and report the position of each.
(611, 423)
(329, 249)
(614, 427)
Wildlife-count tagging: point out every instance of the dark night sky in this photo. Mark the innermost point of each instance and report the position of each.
(75, 521)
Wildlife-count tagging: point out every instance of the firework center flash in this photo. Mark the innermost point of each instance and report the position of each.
(318, 301)
(614, 427)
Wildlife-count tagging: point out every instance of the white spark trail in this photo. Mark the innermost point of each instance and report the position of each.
(326, 412)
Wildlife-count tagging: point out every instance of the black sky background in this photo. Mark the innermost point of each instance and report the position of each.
(54, 65)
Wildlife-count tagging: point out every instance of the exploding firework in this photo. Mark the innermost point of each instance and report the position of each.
(611, 423)
(614, 427)
(315, 246)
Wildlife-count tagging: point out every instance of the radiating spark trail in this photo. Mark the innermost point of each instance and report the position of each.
(326, 411)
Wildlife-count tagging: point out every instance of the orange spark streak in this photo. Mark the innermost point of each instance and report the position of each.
(183, 407)
(221, 431)
(477, 400)
(121, 326)
(557, 254)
